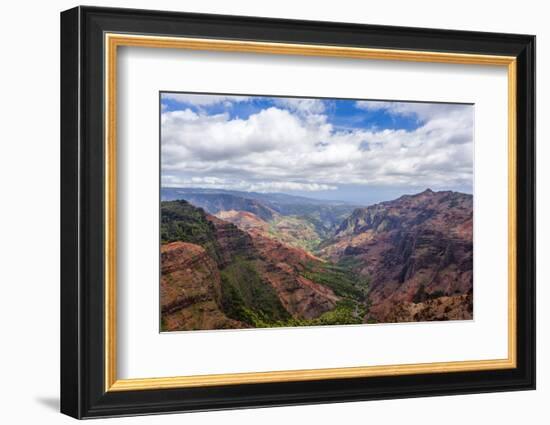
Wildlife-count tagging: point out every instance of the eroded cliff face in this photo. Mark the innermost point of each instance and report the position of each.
(244, 220)
(232, 242)
(283, 267)
(239, 278)
(415, 250)
(190, 290)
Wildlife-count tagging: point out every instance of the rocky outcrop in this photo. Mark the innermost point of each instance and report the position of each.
(455, 307)
(232, 242)
(282, 267)
(415, 249)
(244, 220)
(190, 290)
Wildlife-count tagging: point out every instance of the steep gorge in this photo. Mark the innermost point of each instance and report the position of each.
(416, 249)
(257, 281)
(410, 259)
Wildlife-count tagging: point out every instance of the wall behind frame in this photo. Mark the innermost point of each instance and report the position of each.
(29, 217)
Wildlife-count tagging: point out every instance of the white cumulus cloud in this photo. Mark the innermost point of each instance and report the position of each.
(422, 110)
(203, 99)
(294, 146)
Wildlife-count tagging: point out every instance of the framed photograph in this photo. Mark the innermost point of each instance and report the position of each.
(261, 212)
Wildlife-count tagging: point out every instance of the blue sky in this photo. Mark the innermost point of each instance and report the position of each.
(342, 113)
(342, 149)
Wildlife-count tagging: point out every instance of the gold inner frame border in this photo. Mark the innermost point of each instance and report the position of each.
(113, 40)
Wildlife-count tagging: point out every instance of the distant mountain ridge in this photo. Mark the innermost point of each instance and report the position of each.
(325, 216)
(217, 202)
(277, 198)
(291, 230)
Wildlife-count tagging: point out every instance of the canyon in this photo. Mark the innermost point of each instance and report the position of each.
(242, 260)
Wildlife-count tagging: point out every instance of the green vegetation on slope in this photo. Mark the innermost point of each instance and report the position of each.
(353, 289)
(346, 312)
(294, 231)
(351, 263)
(181, 221)
(246, 297)
(340, 279)
(325, 218)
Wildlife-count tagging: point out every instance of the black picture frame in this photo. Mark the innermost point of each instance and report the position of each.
(83, 392)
